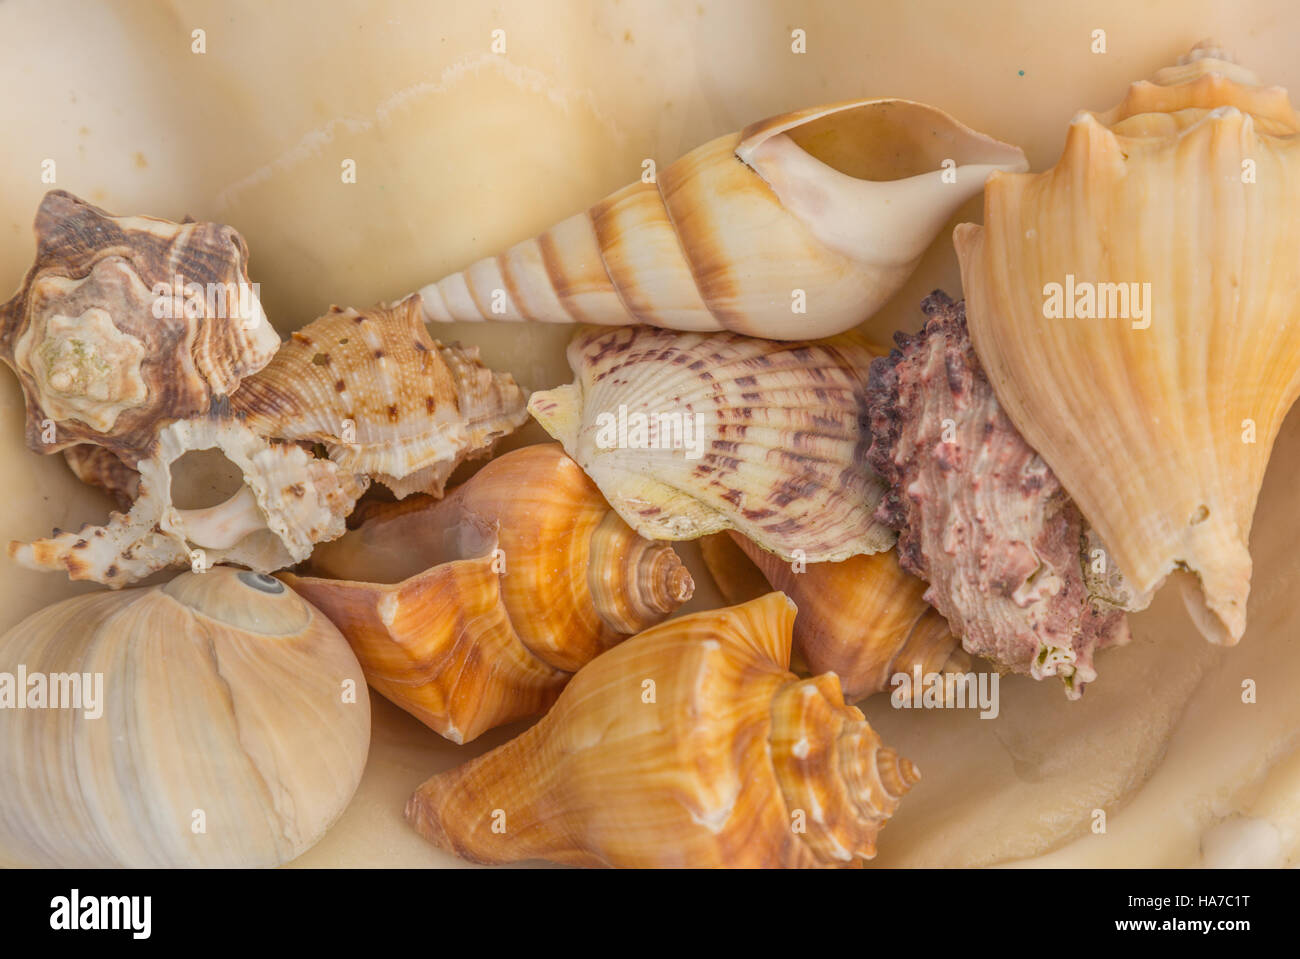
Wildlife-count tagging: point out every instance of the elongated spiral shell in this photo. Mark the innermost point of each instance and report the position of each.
(475, 610)
(383, 398)
(691, 744)
(836, 202)
(688, 434)
(125, 323)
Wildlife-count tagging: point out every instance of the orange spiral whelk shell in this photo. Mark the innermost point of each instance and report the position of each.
(383, 397)
(1157, 418)
(126, 323)
(837, 202)
(864, 619)
(691, 744)
(475, 610)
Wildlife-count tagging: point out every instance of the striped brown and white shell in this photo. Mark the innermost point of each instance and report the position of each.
(289, 501)
(691, 744)
(688, 434)
(382, 397)
(476, 610)
(126, 323)
(837, 202)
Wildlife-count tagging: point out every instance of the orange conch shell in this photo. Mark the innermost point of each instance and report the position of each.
(475, 610)
(691, 744)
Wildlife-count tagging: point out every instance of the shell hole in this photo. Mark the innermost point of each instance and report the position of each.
(203, 478)
(1201, 515)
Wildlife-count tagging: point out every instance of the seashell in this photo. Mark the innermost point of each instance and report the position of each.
(382, 397)
(219, 695)
(1158, 420)
(290, 501)
(125, 323)
(688, 434)
(100, 467)
(622, 772)
(837, 201)
(863, 619)
(475, 610)
(983, 518)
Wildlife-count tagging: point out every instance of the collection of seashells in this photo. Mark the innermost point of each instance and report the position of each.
(995, 493)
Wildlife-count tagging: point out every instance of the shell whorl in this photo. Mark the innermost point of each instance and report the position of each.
(476, 609)
(634, 582)
(782, 774)
(126, 323)
(834, 770)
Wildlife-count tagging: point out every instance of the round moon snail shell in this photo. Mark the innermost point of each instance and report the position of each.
(216, 720)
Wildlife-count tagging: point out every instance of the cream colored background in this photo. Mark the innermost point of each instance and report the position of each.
(460, 152)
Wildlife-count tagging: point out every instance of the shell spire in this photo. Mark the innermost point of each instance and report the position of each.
(783, 774)
(837, 201)
(1134, 310)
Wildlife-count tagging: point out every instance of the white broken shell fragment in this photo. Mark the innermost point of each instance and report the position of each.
(290, 501)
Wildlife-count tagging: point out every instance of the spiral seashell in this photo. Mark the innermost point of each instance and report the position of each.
(126, 323)
(219, 700)
(983, 519)
(290, 501)
(837, 202)
(476, 610)
(383, 398)
(863, 619)
(623, 772)
(1157, 410)
(688, 434)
